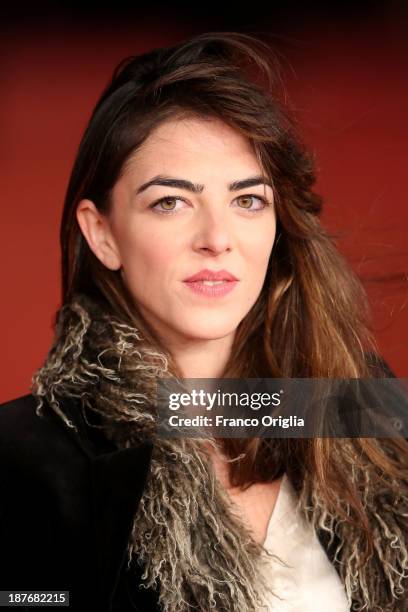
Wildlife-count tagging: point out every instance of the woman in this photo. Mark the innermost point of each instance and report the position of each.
(189, 176)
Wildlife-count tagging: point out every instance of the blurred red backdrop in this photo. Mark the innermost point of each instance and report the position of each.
(347, 82)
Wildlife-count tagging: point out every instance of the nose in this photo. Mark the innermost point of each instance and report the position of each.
(213, 233)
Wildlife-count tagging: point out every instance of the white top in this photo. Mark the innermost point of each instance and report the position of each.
(311, 583)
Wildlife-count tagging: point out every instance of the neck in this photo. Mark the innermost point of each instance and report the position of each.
(202, 358)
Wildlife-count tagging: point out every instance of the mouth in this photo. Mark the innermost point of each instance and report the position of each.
(210, 283)
(207, 275)
(211, 288)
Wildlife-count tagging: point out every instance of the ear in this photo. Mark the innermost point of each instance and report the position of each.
(97, 232)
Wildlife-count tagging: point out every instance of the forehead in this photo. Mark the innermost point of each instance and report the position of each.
(183, 144)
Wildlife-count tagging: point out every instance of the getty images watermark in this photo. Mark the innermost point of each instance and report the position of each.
(210, 401)
(272, 407)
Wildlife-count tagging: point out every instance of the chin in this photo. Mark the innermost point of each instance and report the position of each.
(209, 330)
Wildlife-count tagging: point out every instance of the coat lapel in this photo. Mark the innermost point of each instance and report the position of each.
(118, 478)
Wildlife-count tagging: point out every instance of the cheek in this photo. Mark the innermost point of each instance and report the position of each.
(259, 246)
(148, 254)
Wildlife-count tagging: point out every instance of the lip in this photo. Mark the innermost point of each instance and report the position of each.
(211, 275)
(211, 291)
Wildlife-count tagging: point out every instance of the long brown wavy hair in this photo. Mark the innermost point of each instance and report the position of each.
(312, 318)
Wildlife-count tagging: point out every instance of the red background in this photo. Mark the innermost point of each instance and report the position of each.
(346, 77)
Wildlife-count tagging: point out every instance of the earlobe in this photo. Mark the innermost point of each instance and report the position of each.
(96, 231)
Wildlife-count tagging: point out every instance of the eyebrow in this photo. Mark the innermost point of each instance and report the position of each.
(169, 181)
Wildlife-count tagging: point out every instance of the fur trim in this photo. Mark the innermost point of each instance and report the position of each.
(107, 365)
(112, 370)
(381, 583)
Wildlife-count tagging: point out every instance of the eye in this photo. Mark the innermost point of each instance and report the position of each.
(248, 199)
(164, 202)
(167, 206)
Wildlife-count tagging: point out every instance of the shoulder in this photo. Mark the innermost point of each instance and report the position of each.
(41, 446)
(29, 439)
(17, 411)
(18, 417)
(39, 460)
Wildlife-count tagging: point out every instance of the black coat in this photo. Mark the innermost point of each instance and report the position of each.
(67, 506)
(66, 510)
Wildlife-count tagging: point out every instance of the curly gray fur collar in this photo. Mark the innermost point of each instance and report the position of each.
(112, 370)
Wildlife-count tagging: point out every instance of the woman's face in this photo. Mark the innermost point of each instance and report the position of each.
(160, 235)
